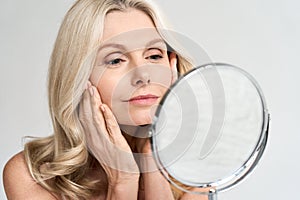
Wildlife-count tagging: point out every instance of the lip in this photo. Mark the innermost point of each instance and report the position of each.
(143, 100)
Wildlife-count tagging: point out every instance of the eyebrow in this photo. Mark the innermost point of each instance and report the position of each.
(158, 40)
(114, 45)
(120, 46)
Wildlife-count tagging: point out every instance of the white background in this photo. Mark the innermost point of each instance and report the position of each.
(260, 36)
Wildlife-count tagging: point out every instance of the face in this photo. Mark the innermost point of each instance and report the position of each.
(132, 70)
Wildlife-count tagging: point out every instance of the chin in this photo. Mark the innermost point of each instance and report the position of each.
(141, 118)
(143, 122)
(135, 116)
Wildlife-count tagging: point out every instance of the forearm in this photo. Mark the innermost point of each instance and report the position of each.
(126, 191)
(155, 184)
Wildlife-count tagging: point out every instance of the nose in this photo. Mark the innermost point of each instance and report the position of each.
(140, 76)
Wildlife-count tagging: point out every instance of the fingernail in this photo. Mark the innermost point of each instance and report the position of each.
(91, 91)
(88, 85)
(102, 108)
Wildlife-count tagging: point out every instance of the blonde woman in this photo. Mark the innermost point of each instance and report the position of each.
(102, 94)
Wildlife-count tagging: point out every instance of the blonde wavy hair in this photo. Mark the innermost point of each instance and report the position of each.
(60, 162)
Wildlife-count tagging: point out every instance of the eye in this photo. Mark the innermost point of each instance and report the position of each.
(114, 61)
(154, 54)
(155, 57)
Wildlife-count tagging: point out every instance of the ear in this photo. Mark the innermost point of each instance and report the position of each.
(173, 65)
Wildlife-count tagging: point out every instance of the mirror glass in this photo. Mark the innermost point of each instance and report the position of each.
(210, 129)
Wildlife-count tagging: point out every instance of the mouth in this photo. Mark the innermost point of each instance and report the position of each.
(144, 100)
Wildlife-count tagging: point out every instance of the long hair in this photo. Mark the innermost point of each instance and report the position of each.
(59, 162)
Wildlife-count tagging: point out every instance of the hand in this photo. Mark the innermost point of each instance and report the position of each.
(138, 138)
(105, 140)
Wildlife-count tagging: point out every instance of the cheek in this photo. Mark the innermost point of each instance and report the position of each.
(105, 94)
(163, 91)
(105, 86)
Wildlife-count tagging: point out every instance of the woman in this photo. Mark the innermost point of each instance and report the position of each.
(102, 94)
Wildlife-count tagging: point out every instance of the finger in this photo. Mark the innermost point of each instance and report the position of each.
(84, 105)
(93, 122)
(85, 116)
(112, 125)
(90, 116)
(89, 84)
(113, 128)
(98, 117)
(173, 65)
(85, 108)
(96, 93)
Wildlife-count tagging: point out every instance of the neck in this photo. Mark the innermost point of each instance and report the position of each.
(131, 133)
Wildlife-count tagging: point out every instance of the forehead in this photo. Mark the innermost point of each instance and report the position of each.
(130, 26)
(117, 22)
(134, 40)
(132, 29)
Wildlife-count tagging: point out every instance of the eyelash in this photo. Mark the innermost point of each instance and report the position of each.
(155, 57)
(112, 62)
(155, 54)
(117, 61)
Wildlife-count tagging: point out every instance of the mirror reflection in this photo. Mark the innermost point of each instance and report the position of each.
(210, 128)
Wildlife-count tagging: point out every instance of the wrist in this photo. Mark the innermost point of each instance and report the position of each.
(147, 163)
(144, 147)
(122, 179)
(125, 189)
(124, 185)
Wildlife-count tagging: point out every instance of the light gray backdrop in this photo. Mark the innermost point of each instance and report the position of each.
(260, 36)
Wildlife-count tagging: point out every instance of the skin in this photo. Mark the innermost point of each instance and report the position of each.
(132, 61)
(128, 67)
(131, 70)
(99, 114)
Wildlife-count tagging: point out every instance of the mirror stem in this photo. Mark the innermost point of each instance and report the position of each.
(212, 194)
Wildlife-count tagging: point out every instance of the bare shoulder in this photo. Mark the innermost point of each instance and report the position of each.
(18, 183)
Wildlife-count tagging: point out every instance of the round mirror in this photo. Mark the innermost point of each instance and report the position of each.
(210, 129)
